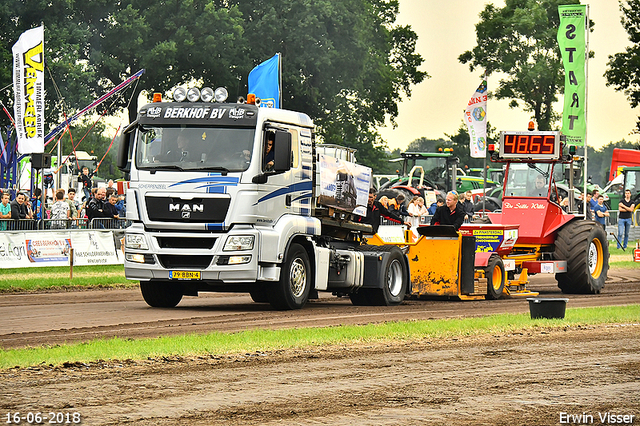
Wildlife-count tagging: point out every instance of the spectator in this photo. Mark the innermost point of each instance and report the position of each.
(416, 209)
(37, 202)
(594, 199)
(5, 211)
(625, 208)
(110, 209)
(95, 207)
(373, 211)
(19, 209)
(121, 207)
(467, 206)
(60, 211)
(589, 214)
(432, 208)
(601, 211)
(451, 213)
(111, 186)
(73, 204)
(85, 179)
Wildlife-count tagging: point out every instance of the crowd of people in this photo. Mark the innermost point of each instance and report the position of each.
(598, 211)
(94, 207)
(454, 210)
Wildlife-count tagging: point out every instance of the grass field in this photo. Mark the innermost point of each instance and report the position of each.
(269, 340)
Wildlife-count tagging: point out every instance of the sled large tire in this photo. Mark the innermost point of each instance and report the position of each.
(496, 277)
(161, 294)
(583, 244)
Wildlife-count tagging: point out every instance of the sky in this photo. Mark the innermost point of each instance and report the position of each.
(446, 29)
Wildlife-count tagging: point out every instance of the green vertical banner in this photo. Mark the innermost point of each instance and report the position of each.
(571, 39)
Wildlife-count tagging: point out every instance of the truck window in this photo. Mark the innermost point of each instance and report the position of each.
(191, 148)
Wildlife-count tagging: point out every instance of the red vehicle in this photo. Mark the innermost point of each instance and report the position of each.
(549, 239)
(623, 158)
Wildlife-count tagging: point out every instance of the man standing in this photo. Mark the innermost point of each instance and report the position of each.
(625, 208)
(95, 208)
(451, 213)
(5, 211)
(60, 211)
(373, 212)
(467, 206)
(601, 211)
(19, 208)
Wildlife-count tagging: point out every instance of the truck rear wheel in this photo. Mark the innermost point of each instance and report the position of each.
(161, 294)
(496, 278)
(292, 290)
(583, 244)
(393, 280)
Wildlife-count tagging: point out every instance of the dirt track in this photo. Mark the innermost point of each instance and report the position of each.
(524, 379)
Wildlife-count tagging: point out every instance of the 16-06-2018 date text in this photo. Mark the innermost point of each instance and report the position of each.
(42, 418)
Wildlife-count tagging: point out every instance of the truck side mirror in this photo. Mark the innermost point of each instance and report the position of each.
(124, 163)
(282, 152)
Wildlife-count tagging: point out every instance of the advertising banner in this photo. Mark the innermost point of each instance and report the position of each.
(475, 116)
(28, 89)
(28, 249)
(571, 39)
(344, 185)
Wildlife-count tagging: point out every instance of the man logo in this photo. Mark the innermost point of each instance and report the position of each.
(186, 208)
(186, 215)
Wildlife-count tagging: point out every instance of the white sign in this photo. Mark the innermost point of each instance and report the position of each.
(344, 185)
(28, 89)
(28, 249)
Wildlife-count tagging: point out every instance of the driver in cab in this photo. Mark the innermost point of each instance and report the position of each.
(540, 188)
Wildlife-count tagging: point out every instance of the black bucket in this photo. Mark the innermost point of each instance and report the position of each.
(547, 308)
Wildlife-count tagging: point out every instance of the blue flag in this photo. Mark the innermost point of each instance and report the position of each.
(264, 82)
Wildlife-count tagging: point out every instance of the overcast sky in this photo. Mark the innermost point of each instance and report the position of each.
(447, 28)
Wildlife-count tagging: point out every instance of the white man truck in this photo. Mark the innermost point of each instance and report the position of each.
(214, 208)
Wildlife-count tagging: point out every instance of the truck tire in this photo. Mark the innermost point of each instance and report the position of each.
(583, 244)
(259, 295)
(161, 294)
(496, 277)
(292, 290)
(394, 280)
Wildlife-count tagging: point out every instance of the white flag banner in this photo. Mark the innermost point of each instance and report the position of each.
(476, 118)
(28, 89)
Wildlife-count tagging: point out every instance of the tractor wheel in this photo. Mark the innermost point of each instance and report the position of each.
(161, 294)
(496, 277)
(292, 291)
(583, 244)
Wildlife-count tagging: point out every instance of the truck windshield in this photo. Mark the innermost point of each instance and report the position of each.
(528, 180)
(194, 148)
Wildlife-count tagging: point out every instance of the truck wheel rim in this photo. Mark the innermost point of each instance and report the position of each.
(298, 277)
(595, 258)
(394, 279)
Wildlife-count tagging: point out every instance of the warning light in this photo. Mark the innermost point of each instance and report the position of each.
(532, 126)
(157, 97)
(251, 99)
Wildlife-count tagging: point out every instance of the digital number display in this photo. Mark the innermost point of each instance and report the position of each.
(530, 145)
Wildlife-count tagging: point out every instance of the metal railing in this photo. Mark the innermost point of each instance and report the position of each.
(60, 224)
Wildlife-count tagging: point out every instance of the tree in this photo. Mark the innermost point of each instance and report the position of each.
(520, 41)
(344, 63)
(425, 145)
(622, 72)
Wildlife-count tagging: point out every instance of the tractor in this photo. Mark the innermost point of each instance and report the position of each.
(550, 240)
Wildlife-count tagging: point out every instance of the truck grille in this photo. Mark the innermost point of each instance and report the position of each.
(181, 261)
(185, 243)
(197, 210)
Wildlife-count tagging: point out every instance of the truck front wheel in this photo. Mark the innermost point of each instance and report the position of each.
(292, 290)
(161, 294)
(583, 244)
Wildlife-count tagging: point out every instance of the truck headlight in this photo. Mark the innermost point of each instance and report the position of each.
(135, 241)
(239, 242)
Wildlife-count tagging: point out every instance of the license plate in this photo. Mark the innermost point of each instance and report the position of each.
(184, 275)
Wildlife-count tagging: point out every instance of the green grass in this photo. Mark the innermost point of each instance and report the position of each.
(269, 340)
(57, 277)
(616, 252)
